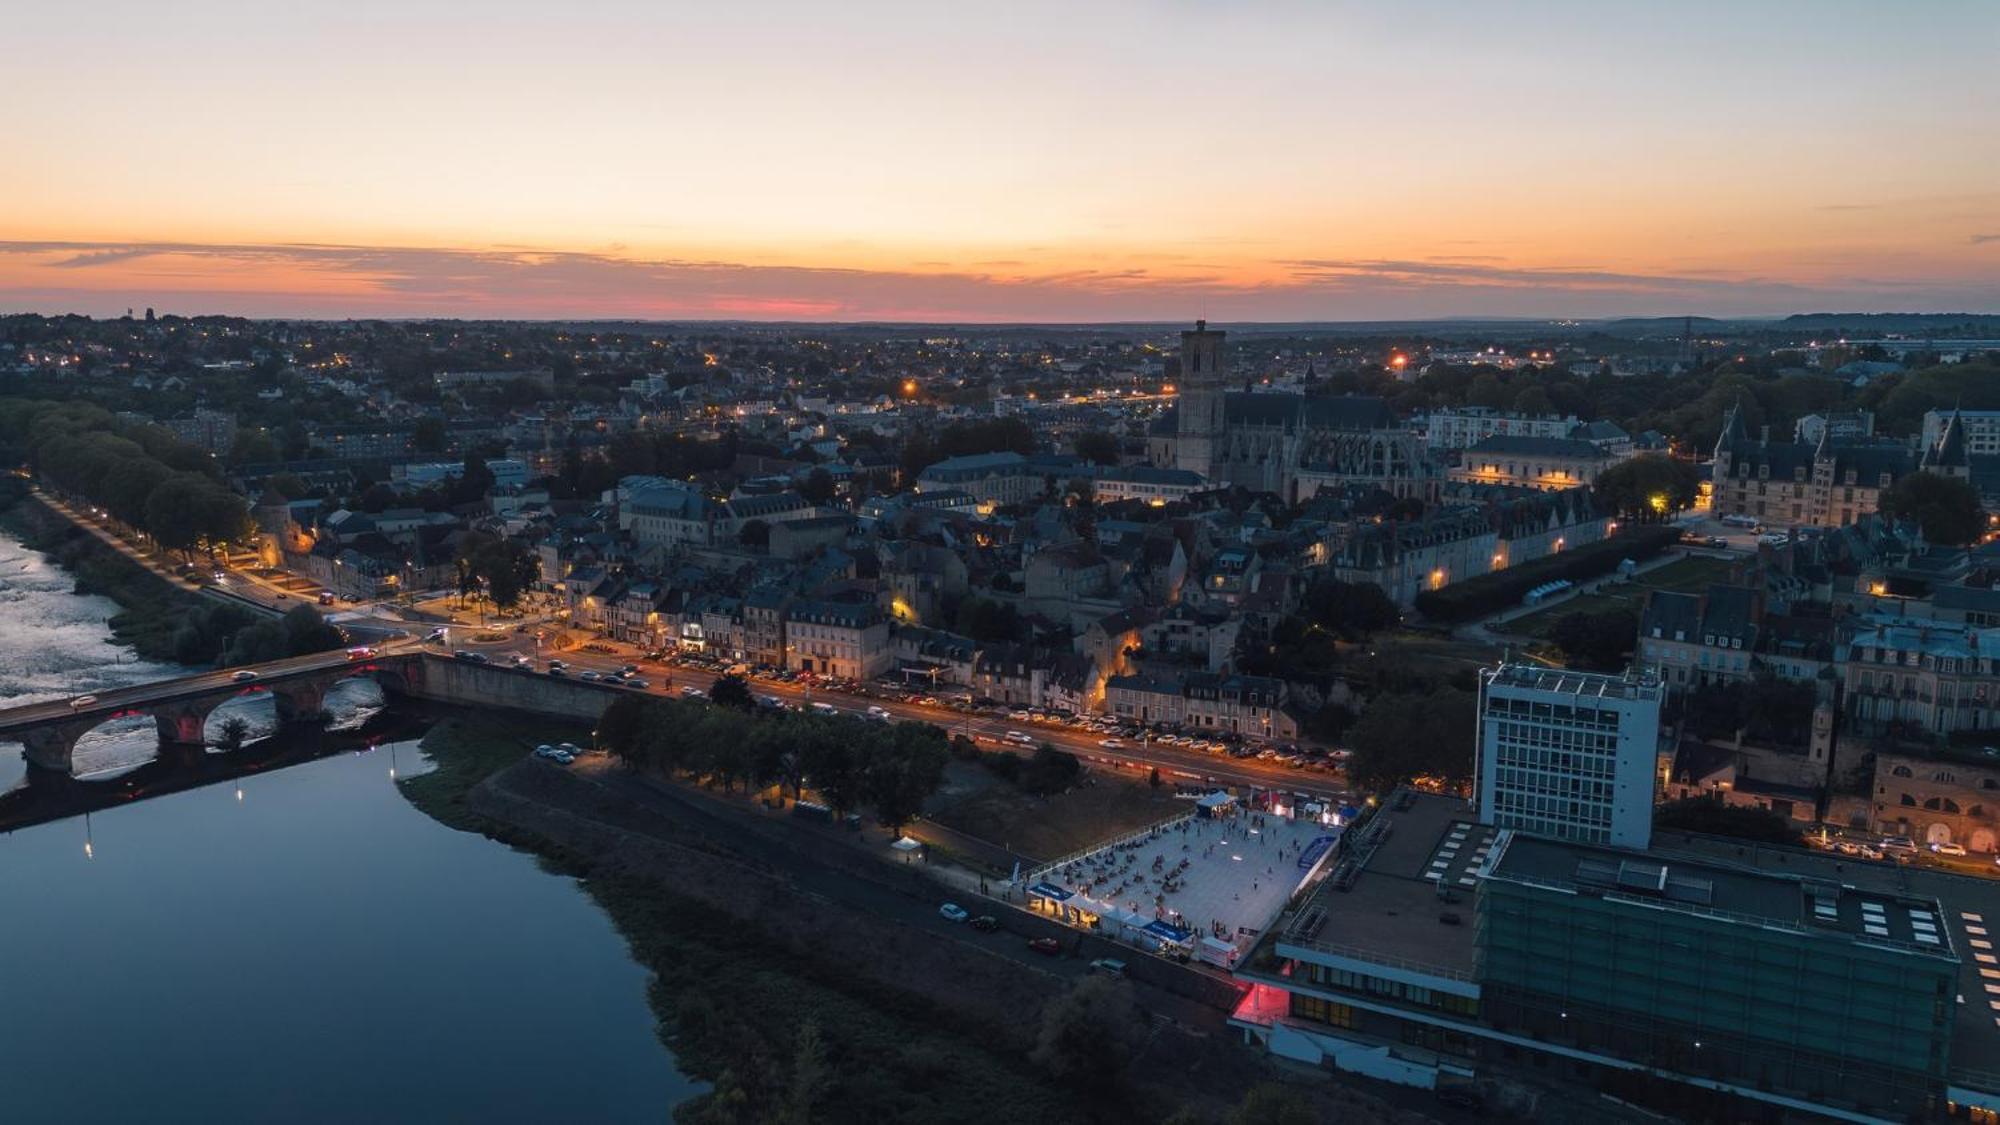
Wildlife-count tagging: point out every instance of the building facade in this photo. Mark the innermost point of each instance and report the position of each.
(1569, 755)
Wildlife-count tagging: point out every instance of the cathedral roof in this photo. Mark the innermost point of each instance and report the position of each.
(1326, 412)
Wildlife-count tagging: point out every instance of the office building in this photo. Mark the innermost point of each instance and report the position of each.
(1570, 755)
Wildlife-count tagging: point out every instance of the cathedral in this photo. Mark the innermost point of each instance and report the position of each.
(1290, 444)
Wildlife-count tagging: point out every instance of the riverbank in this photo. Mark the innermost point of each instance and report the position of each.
(733, 1002)
(151, 608)
(759, 927)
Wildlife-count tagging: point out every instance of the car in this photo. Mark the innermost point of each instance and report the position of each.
(1109, 966)
(83, 701)
(554, 754)
(1046, 946)
(1900, 844)
(1110, 744)
(986, 923)
(569, 748)
(637, 683)
(630, 669)
(553, 664)
(363, 652)
(558, 670)
(242, 674)
(587, 674)
(1949, 849)
(953, 912)
(477, 658)
(521, 661)
(1717, 541)
(435, 637)
(282, 596)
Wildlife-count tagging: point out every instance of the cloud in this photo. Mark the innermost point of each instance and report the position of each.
(340, 280)
(1983, 239)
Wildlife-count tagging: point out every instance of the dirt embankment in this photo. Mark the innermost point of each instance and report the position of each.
(606, 831)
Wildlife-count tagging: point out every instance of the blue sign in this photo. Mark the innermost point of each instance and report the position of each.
(1314, 850)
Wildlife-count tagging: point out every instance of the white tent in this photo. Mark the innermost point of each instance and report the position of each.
(905, 844)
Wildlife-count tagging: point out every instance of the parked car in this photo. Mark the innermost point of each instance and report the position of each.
(986, 923)
(1110, 743)
(242, 674)
(83, 701)
(1109, 966)
(637, 683)
(953, 912)
(1046, 946)
(1949, 849)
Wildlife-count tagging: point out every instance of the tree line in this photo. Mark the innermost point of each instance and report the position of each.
(142, 475)
(891, 767)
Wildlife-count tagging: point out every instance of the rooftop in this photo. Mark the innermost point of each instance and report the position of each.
(1965, 904)
(1597, 685)
(1388, 907)
(1705, 886)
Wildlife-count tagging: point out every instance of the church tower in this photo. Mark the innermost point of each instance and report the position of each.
(1199, 435)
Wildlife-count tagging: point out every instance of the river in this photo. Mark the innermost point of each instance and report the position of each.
(304, 946)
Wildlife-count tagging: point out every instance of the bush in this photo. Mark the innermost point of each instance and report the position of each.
(1491, 593)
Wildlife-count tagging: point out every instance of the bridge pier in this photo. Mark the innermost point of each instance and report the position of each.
(182, 724)
(300, 701)
(53, 747)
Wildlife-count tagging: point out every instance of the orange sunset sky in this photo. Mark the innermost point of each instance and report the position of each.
(1021, 161)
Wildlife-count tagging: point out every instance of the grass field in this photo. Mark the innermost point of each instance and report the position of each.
(1690, 575)
(975, 802)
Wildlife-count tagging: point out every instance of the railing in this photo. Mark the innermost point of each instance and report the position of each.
(1375, 957)
(1035, 874)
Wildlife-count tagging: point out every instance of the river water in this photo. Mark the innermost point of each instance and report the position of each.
(304, 946)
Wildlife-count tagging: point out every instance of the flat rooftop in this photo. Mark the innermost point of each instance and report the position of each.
(1594, 685)
(1708, 886)
(1223, 878)
(1968, 905)
(1389, 906)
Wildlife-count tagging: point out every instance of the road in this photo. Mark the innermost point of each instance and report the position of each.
(988, 728)
(142, 696)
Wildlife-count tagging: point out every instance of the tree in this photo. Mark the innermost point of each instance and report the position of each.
(1402, 736)
(306, 632)
(818, 487)
(234, 730)
(732, 691)
(1097, 447)
(1089, 1035)
(901, 775)
(620, 726)
(1647, 487)
(1354, 610)
(1946, 508)
(1597, 641)
(430, 435)
(1701, 814)
(1050, 771)
(755, 534)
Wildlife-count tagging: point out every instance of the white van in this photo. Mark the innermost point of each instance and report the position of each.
(1020, 738)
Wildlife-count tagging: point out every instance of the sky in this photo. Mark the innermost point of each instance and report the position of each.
(1262, 160)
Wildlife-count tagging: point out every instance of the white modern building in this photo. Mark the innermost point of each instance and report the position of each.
(1569, 755)
(1982, 430)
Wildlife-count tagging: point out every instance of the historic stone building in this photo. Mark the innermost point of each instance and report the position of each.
(1289, 444)
(1791, 484)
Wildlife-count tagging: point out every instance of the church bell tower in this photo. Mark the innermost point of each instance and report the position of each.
(1199, 434)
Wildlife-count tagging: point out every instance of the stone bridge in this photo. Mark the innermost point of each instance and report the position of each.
(180, 707)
